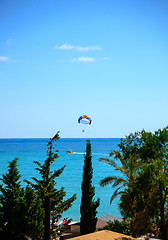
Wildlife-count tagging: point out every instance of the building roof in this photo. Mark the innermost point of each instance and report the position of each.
(103, 220)
(109, 217)
(104, 235)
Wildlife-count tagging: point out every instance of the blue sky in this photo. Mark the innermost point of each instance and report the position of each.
(60, 59)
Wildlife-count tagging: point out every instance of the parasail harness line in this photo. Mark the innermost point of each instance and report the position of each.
(84, 119)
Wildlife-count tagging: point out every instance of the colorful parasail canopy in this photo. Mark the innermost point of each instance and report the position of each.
(85, 119)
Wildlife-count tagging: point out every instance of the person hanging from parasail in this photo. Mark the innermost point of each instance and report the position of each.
(84, 119)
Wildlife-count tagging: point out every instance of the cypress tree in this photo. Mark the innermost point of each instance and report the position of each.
(88, 205)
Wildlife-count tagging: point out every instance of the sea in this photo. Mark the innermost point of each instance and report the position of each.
(29, 150)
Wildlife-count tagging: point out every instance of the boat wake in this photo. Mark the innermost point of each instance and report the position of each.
(79, 153)
(98, 154)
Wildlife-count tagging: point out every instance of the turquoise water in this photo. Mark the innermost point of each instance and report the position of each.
(29, 150)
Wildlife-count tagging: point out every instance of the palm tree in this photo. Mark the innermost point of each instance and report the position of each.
(142, 183)
(128, 154)
(128, 170)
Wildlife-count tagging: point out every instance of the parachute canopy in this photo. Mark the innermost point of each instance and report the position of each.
(85, 119)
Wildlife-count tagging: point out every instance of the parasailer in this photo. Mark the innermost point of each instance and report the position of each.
(85, 119)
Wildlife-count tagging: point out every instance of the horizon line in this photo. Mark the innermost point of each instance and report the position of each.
(50, 137)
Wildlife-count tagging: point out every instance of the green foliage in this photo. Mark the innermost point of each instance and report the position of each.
(143, 180)
(20, 210)
(123, 227)
(46, 186)
(154, 158)
(33, 214)
(11, 202)
(88, 205)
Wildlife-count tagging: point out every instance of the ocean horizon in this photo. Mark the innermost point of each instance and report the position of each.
(35, 149)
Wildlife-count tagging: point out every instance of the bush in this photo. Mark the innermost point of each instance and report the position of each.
(123, 226)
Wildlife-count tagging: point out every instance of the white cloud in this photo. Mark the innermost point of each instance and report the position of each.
(6, 59)
(88, 59)
(83, 59)
(67, 46)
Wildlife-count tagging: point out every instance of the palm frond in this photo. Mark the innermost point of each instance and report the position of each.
(119, 181)
(108, 161)
(114, 194)
(123, 162)
(107, 180)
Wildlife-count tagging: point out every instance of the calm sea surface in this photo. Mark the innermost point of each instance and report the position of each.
(29, 150)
